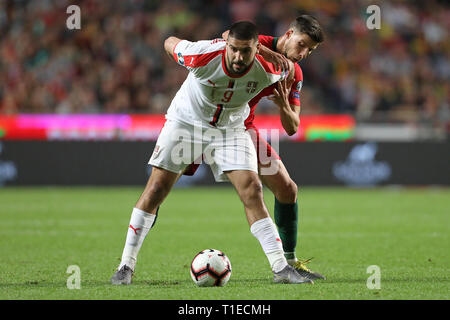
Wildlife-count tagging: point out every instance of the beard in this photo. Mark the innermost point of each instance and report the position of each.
(238, 67)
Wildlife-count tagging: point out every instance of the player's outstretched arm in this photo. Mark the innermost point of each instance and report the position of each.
(289, 114)
(169, 45)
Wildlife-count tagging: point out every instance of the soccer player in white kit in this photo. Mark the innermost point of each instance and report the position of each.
(207, 117)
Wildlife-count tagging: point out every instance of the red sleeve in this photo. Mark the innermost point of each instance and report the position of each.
(294, 95)
(266, 41)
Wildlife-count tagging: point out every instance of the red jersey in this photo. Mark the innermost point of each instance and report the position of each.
(294, 96)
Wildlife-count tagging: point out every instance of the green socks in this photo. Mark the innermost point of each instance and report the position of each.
(286, 219)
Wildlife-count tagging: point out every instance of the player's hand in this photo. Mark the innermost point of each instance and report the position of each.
(281, 94)
(277, 59)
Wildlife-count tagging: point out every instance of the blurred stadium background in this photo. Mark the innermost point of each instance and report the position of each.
(364, 90)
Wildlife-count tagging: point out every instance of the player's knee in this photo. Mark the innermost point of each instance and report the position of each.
(288, 192)
(252, 191)
(292, 191)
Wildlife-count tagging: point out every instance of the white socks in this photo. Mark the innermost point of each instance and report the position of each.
(265, 231)
(140, 224)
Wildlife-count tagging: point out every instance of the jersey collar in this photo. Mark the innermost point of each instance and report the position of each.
(274, 44)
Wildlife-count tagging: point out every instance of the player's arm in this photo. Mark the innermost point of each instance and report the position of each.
(170, 44)
(289, 113)
(277, 59)
(193, 55)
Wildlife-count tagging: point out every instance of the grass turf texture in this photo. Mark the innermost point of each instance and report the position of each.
(44, 230)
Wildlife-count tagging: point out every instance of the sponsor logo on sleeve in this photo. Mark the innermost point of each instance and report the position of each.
(180, 58)
(295, 94)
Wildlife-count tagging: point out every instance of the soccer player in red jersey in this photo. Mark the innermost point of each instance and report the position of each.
(303, 36)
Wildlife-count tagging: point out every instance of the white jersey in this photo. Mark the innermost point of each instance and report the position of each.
(210, 96)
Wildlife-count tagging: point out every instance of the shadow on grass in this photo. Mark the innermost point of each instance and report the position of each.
(331, 280)
(168, 283)
(136, 282)
(188, 282)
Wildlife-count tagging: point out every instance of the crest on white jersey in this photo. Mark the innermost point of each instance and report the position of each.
(251, 86)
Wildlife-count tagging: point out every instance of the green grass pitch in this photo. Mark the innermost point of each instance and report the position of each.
(45, 230)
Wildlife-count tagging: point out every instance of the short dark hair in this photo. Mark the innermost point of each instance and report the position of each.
(244, 30)
(309, 25)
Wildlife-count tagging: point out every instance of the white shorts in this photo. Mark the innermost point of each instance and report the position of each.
(180, 145)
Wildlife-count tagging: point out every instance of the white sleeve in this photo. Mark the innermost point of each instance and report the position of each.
(193, 55)
(182, 48)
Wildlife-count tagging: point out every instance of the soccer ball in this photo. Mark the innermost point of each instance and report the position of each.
(210, 267)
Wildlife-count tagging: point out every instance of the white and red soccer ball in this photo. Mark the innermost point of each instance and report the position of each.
(210, 267)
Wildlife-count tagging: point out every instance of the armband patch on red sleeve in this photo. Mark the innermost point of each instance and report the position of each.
(294, 98)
